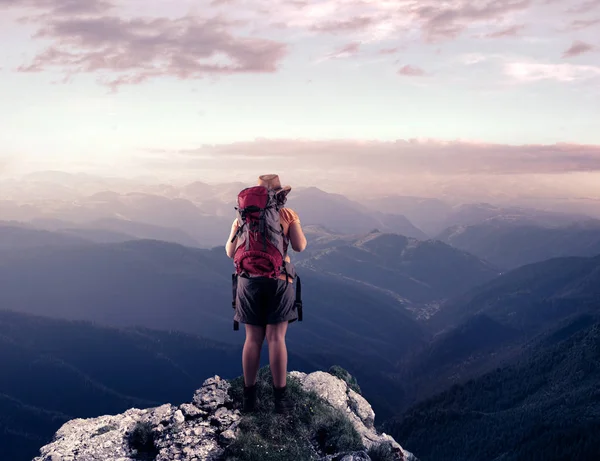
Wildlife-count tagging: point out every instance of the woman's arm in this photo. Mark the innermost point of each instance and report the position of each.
(229, 246)
(297, 237)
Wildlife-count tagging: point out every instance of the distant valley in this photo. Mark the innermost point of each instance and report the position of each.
(421, 274)
(433, 307)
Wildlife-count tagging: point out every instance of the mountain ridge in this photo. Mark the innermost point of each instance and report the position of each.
(545, 406)
(419, 272)
(491, 325)
(509, 245)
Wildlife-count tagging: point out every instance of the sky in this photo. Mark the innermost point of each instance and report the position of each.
(421, 97)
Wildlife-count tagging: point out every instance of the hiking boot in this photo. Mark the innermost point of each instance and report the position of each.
(283, 403)
(249, 403)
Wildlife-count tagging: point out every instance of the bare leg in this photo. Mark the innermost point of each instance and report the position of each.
(278, 353)
(255, 336)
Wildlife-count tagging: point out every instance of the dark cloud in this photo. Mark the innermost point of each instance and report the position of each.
(133, 51)
(578, 48)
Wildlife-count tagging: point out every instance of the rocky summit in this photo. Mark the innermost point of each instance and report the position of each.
(211, 428)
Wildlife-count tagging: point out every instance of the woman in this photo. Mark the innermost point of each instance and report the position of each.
(266, 307)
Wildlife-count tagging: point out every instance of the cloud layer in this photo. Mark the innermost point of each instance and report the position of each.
(139, 49)
(90, 37)
(456, 169)
(529, 72)
(60, 7)
(243, 36)
(402, 156)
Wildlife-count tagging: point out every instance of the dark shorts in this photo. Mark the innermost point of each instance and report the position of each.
(265, 301)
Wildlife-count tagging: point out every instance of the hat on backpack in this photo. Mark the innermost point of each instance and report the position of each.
(271, 181)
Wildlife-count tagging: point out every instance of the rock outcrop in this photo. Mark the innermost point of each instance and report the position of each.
(201, 430)
(357, 408)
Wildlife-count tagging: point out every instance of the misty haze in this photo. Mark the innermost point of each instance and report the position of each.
(299, 230)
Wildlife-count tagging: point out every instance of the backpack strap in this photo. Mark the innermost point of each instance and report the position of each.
(239, 232)
(298, 302)
(295, 276)
(262, 228)
(234, 280)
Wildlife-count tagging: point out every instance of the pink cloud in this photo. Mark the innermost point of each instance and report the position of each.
(585, 7)
(578, 48)
(511, 31)
(411, 71)
(459, 169)
(527, 72)
(584, 23)
(404, 156)
(133, 51)
(350, 48)
(381, 20)
(449, 21)
(60, 7)
(346, 51)
(344, 25)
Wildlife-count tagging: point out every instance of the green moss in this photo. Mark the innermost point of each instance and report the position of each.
(267, 436)
(382, 452)
(343, 374)
(141, 439)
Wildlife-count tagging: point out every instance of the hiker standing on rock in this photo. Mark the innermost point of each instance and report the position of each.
(266, 289)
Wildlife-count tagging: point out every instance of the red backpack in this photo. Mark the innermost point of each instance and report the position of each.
(262, 246)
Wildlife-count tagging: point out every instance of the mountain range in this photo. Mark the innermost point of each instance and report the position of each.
(199, 214)
(54, 370)
(163, 285)
(433, 216)
(195, 214)
(531, 295)
(421, 274)
(524, 351)
(543, 407)
(509, 245)
(502, 296)
(490, 325)
(511, 370)
(342, 215)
